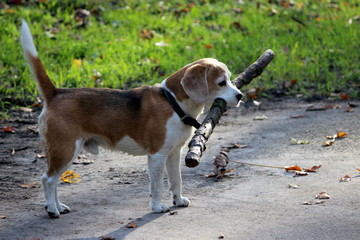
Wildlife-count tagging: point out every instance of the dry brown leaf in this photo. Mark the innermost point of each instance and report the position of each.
(342, 134)
(70, 177)
(226, 171)
(297, 116)
(313, 169)
(293, 168)
(30, 185)
(147, 34)
(333, 106)
(9, 129)
(358, 169)
(131, 224)
(344, 96)
(2, 217)
(347, 178)
(322, 195)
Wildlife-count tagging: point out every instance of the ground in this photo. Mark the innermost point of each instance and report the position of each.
(253, 202)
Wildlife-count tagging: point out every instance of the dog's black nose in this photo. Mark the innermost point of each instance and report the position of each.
(239, 96)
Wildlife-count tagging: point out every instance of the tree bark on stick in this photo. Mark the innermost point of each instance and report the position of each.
(197, 144)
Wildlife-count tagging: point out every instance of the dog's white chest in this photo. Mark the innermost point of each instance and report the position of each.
(128, 145)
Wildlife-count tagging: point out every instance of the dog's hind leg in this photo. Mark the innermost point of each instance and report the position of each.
(174, 173)
(156, 164)
(59, 159)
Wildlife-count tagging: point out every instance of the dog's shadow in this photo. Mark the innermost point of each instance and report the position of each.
(126, 230)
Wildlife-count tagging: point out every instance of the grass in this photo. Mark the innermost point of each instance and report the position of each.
(315, 44)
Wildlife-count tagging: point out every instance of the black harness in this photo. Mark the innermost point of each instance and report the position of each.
(183, 116)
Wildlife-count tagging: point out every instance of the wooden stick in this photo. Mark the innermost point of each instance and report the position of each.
(197, 144)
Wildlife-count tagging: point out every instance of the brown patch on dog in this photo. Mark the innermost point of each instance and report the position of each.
(75, 114)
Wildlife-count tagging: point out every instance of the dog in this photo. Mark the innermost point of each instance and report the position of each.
(150, 120)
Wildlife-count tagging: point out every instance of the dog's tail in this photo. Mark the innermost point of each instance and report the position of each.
(46, 86)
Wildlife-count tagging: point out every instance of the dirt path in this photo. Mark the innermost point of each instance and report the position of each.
(253, 203)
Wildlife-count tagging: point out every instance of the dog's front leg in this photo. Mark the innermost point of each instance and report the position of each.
(174, 172)
(156, 164)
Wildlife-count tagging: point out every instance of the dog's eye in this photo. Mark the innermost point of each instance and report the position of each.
(222, 83)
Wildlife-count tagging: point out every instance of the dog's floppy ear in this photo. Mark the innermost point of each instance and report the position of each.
(194, 83)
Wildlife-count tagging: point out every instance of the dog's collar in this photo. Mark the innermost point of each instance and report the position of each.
(183, 116)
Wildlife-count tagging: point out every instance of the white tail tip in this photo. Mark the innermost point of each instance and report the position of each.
(26, 39)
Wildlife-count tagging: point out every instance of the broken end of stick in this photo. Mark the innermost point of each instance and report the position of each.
(191, 162)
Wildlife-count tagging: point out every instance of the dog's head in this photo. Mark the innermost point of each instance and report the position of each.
(205, 80)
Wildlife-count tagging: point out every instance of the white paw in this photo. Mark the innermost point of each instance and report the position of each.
(52, 211)
(181, 202)
(159, 207)
(63, 208)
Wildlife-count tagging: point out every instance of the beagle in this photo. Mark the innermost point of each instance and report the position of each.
(150, 120)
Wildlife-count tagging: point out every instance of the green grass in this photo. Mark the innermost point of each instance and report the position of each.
(313, 41)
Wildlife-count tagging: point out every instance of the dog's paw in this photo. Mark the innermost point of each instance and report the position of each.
(159, 207)
(63, 208)
(52, 212)
(181, 202)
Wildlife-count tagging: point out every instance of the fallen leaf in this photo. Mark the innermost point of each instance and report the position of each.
(296, 141)
(146, 34)
(341, 134)
(322, 195)
(162, 44)
(311, 202)
(301, 173)
(344, 96)
(297, 116)
(293, 168)
(331, 137)
(2, 217)
(131, 224)
(25, 109)
(70, 177)
(76, 63)
(358, 169)
(313, 169)
(312, 108)
(105, 237)
(30, 185)
(293, 186)
(332, 106)
(208, 46)
(226, 171)
(256, 103)
(347, 178)
(348, 108)
(328, 143)
(9, 129)
(263, 117)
